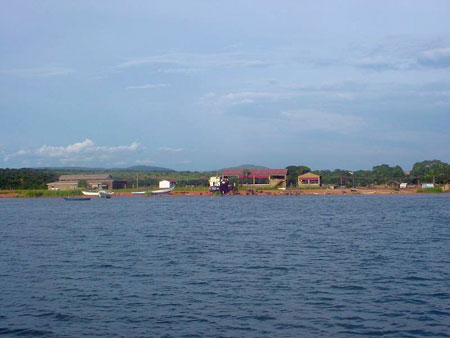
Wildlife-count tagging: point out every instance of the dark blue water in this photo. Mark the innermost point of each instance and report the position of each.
(226, 266)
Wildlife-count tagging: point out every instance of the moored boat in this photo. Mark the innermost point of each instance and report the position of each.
(97, 193)
(76, 198)
(162, 191)
(104, 194)
(90, 193)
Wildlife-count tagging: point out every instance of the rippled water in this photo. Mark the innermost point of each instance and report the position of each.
(226, 266)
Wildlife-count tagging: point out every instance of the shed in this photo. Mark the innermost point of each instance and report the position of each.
(166, 184)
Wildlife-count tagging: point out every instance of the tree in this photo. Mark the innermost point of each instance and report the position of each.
(431, 170)
(294, 172)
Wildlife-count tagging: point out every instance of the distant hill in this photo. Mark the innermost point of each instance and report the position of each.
(71, 168)
(142, 168)
(146, 168)
(246, 166)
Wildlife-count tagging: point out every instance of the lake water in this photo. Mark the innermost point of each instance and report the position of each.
(286, 266)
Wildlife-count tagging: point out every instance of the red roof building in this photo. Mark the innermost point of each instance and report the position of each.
(272, 177)
(309, 180)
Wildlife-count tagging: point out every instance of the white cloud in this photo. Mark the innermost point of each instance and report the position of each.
(149, 86)
(38, 72)
(184, 71)
(243, 97)
(84, 151)
(170, 150)
(438, 57)
(377, 63)
(197, 60)
(19, 153)
(324, 121)
(84, 147)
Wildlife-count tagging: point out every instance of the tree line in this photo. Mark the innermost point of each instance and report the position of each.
(26, 178)
(434, 171)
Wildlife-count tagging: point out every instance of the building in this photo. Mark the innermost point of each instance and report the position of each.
(90, 181)
(62, 185)
(309, 180)
(269, 177)
(214, 181)
(93, 181)
(119, 184)
(166, 184)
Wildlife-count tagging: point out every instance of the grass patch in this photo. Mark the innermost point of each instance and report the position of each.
(434, 190)
(50, 193)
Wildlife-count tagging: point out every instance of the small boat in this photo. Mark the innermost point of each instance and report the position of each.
(162, 191)
(138, 192)
(97, 193)
(90, 193)
(104, 194)
(77, 198)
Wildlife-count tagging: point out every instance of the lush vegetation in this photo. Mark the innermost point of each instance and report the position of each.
(26, 178)
(430, 190)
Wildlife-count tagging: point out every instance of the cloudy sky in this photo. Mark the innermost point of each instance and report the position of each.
(205, 84)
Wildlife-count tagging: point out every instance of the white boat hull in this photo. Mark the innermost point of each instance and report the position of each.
(97, 193)
(90, 193)
(162, 191)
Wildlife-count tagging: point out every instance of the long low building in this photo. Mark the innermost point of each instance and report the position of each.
(91, 181)
(271, 177)
(62, 185)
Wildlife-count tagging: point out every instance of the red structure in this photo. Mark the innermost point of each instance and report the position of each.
(258, 176)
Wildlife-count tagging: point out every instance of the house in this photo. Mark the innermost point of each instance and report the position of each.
(93, 181)
(403, 185)
(269, 177)
(309, 180)
(62, 185)
(393, 184)
(165, 184)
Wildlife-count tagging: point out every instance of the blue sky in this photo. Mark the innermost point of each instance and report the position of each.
(200, 85)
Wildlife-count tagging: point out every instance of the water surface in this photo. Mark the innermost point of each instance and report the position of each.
(279, 266)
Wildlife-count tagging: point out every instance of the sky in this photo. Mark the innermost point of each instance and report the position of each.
(207, 84)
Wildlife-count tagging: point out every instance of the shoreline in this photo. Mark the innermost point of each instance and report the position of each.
(309, 192)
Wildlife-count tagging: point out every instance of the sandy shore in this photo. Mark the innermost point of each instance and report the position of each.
(293, 192)
(343, 192)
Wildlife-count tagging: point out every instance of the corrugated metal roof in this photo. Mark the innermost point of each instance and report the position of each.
(257, 173)
(85, 177)
(62, 183)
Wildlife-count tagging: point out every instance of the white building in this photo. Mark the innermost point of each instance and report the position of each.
(214, 181)
(165, 184)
